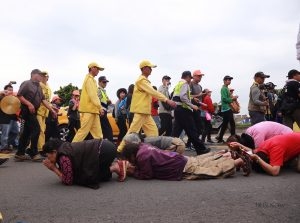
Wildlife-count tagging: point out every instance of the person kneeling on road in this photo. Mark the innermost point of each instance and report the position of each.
(273, 153)
(84, 163)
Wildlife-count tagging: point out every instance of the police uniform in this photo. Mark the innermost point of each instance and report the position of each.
(183, 114)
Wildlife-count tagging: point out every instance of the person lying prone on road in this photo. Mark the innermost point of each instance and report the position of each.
(167, 143)
(84, 163)
(148, 162)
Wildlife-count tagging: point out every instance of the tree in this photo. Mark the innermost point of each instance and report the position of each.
(65, 93)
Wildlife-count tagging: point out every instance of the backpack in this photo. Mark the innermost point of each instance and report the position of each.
(285, 104)
(280, 99)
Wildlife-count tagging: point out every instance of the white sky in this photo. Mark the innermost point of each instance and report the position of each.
(231, 37)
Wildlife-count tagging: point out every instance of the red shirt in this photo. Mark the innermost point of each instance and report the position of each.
(281, 148)
(154, 107)
(210, 107)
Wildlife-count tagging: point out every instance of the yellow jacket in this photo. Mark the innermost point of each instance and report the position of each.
(43, 111)
(142, 96)
(89, 101)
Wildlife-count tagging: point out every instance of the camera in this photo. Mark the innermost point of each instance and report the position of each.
(12, 82)
(269, 86)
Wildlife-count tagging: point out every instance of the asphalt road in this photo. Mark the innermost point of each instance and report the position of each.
(31, 193)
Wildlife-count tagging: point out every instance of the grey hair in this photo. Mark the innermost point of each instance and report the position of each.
(132, 138)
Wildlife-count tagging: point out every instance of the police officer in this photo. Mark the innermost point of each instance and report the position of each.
(183, 113)
(105, 102)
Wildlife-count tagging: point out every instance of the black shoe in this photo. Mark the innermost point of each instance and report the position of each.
(191, 148)
(3, 160)
(221, 141)
(203, 151)
(29, 152)
(43, 154)
(210, 141)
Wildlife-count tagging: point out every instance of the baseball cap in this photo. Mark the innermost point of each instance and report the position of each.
(94, 64)
(227, 77)
(292, 73)
(166, 77)
(261, 75)
(198, 73)
(102, 79)
(147, 63)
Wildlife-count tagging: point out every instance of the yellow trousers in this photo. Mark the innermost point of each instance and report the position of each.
(89, 122)
(42, 123)
(141, 121)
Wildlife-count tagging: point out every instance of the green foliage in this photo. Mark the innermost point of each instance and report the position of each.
(65, 93)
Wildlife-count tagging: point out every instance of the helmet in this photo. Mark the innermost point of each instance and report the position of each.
(76, 93)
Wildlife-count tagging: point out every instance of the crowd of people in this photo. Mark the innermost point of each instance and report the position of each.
(151, 122)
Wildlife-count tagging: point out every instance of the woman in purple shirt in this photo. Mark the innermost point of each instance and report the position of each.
(149, 162)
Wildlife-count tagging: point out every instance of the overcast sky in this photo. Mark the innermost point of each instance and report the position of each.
(231, 37)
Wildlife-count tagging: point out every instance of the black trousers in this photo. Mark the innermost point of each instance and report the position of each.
(227, 118)
(106, 128)
(74, 124)
(207, 130)
(52, 130)
(108, 152)
(165, 124)
(130, 118)
(198, 122)
(122, 127)
(30, 134)
(184, 120)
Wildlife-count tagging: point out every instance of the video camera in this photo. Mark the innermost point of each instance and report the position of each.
(12, 82)
(269, 86)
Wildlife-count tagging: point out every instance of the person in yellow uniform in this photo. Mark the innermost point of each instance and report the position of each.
(89, 106)
(43, 112)
(141, 103)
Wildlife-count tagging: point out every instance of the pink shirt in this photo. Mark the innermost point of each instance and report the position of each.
(262, 131)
